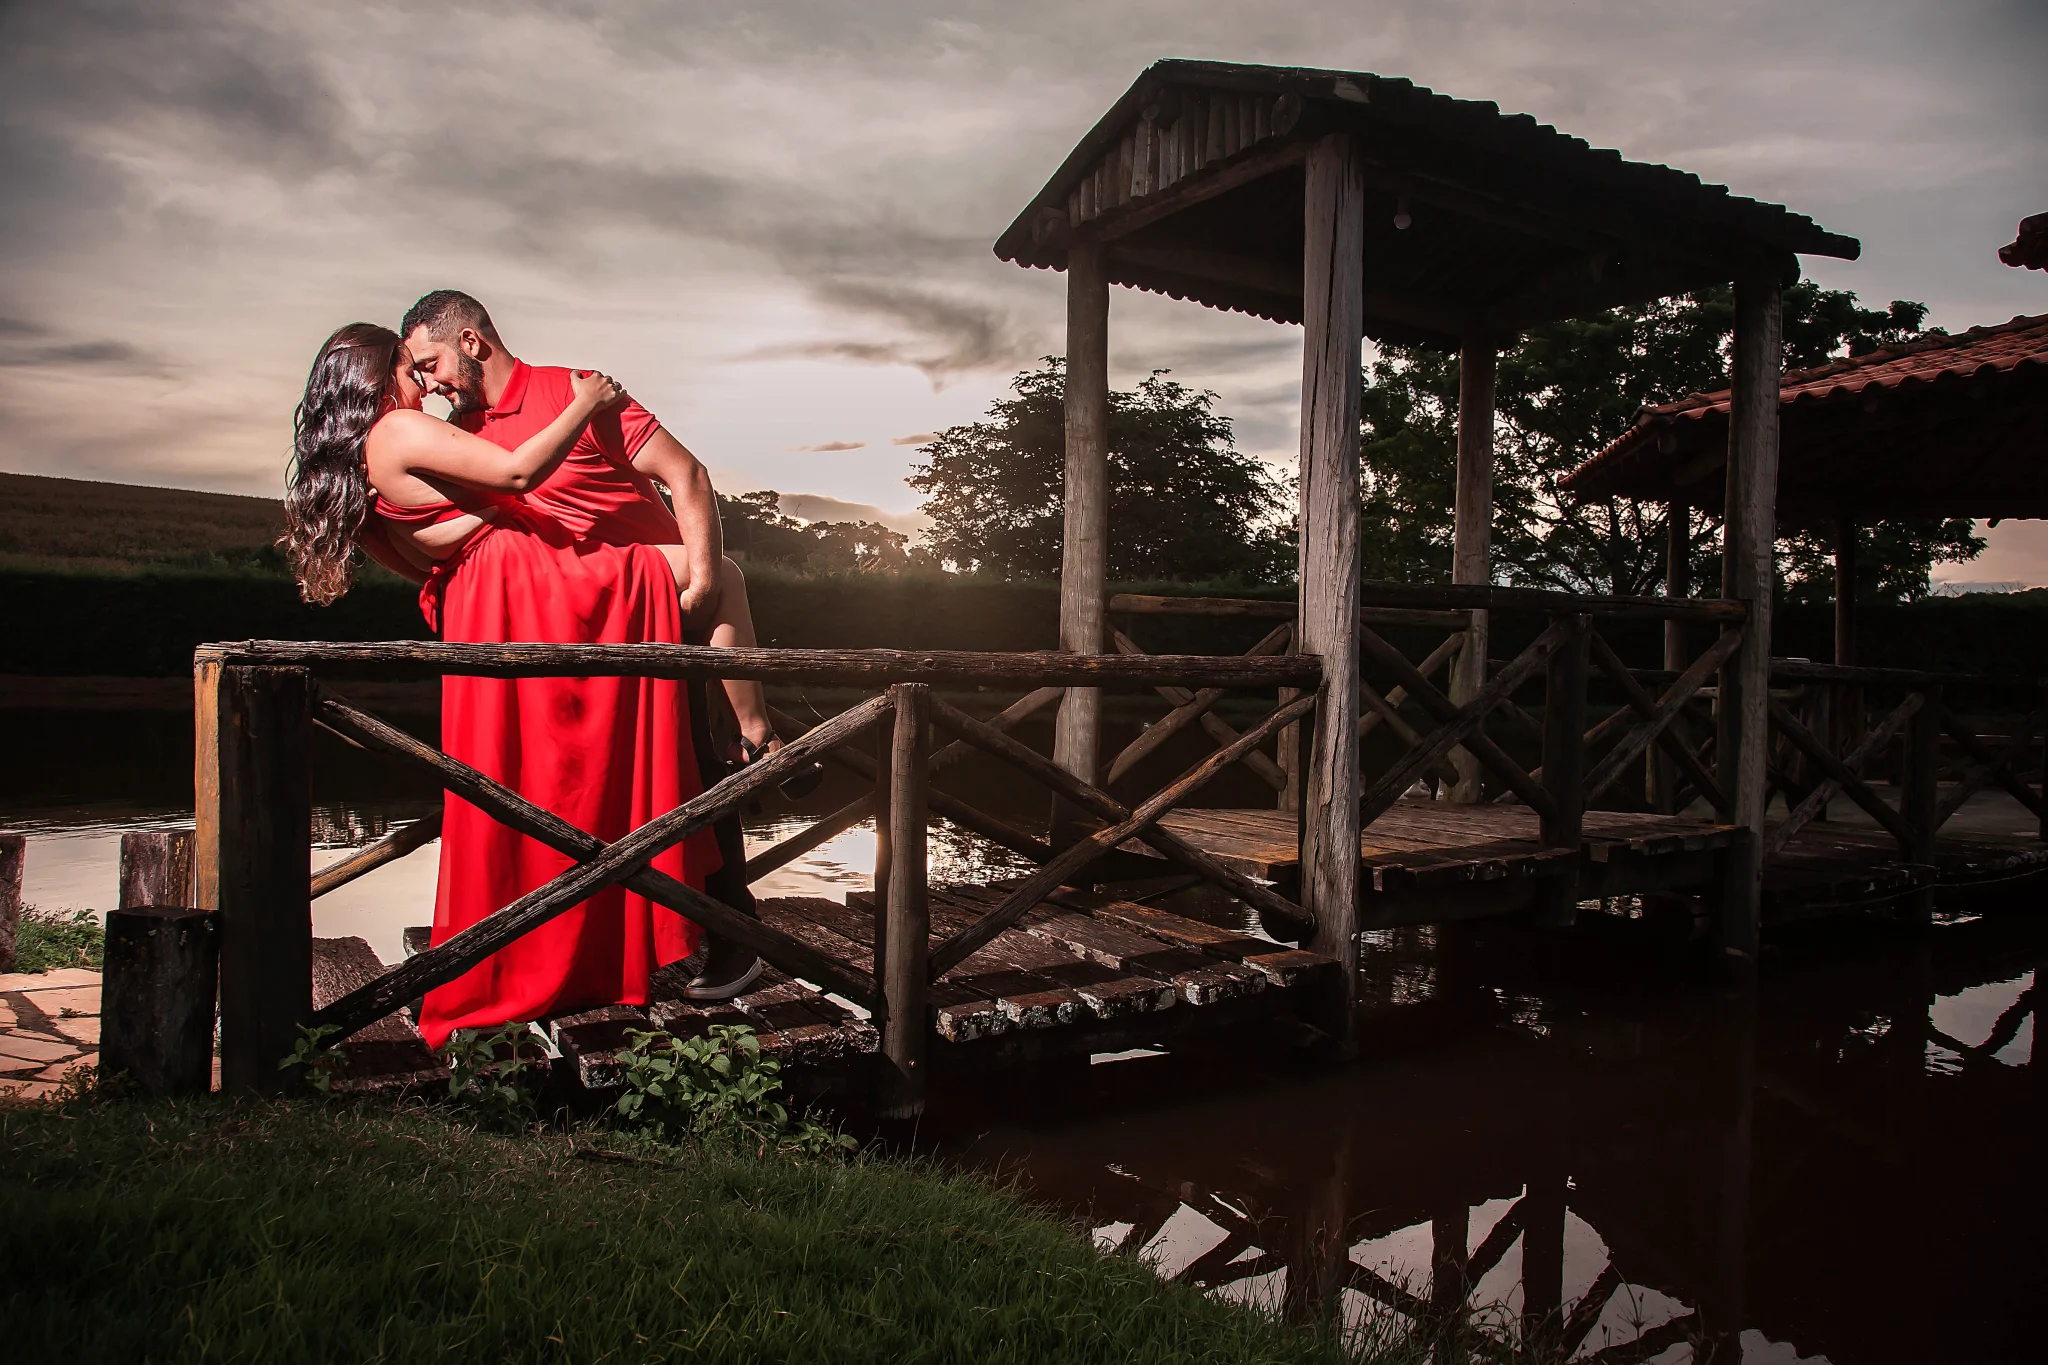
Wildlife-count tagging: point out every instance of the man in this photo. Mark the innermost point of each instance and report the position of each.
(605, 491)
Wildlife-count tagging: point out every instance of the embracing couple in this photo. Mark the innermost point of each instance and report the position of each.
(532, 514)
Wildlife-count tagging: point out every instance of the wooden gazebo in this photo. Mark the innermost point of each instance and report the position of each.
(1365, 206)
(1948, 426)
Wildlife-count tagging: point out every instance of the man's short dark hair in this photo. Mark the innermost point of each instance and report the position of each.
(445, 312)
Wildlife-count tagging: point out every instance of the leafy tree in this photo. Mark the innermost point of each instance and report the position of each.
(1184, 504)
(1563, 392)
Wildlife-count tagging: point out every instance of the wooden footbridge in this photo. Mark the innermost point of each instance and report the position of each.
(1359, 207)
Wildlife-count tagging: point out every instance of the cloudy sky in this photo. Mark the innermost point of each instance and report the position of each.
(773, 222)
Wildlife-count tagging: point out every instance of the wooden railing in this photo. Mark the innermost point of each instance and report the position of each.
(258, 702)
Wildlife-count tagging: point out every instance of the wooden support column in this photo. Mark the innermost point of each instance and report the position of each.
(1749, 572)
(1662, 775)
(13, 854)
(1084, 553)
(1846, 532)
(1919, 793)
(905, 925)
(156, 868)
(252, 860)
(1472, 535)
(157, 998)
(1333, 317)
(1564, 764)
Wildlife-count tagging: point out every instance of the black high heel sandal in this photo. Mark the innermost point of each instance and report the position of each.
(798, 784)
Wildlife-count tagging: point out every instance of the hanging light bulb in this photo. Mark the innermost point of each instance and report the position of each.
(1402, 218)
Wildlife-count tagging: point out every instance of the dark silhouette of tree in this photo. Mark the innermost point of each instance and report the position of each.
(1564, 391)
(1185, 504)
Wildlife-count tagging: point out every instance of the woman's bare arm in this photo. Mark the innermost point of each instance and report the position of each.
(409, 443)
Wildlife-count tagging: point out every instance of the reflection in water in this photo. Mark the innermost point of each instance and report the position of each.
(1845, 1167)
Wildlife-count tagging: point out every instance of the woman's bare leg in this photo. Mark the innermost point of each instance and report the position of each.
(733, 628)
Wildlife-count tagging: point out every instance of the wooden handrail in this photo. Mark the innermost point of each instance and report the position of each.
(1277, 609)
(853, 667)
(1448, 604)
(393, 846)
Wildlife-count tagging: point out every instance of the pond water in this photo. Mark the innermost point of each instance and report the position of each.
(1845, 1165)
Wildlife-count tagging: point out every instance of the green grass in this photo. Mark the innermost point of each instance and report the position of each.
(332, 1231)
(49, 939)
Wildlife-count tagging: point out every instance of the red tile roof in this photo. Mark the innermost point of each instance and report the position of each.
(1850, 429)
(2030, 247)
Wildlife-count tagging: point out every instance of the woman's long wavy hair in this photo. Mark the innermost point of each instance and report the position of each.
(327, 489)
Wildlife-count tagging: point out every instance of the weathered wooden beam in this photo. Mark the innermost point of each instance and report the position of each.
(1843, 775)
(1381, 796)
(1846, 536)
(252, 847)
(601, 865)
(1218, 729)
(156, 868)
(1387, 709)
(1035, 887)
(1662, 776)
(1437, 704)
(1973, 778)
(1149, 740)
(1919, 793)
(1657, 718)
(804, 840)
(407, 838)
(1084, 541)
(1484, 597)
(851, 667)
(2004, 775)
(1749, 575)
(1102, 805)
(1222, 176)
(157, 998)
(1472, 535)
(13, 856)
(1276, 609)
(1564, 764)
(905, 921)
(1333, 328)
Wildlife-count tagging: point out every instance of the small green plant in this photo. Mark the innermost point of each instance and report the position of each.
(320, 1059)
(492, 1074)
(51, 939)
(716, 1085)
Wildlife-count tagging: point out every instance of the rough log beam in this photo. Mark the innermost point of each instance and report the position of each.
(1657, 717)
(1218, 729)
(1266, 609)
(1275, 642)
(1846, 776)
(1485, 597)
(1382, 795)
(393, 846)
(1106, 807)
(1842, 774)
(1437, 704)
(600, 865)
(2003, 774)
(1386, 708)
(1034, 888)
(1988, 765)
(851, 667)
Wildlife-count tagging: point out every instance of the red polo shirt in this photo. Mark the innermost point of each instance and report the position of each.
(595, 491)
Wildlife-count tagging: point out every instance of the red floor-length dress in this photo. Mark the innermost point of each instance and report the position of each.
(605, 754)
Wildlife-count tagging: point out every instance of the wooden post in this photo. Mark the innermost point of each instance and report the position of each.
(1749, 573)
(885, 841)
(1662, 775)
(1287, 754)
(1845, 592)
(1471, 536)
(906, 924)
(1919, 794)
(252, 860)
(1543, 1228)
(1333, 317)
(156, 868)
(157, 998)
(1564, 763)
(13, 855)
(1084, 552)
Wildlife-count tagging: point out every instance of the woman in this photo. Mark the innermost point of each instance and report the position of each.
(371, 469)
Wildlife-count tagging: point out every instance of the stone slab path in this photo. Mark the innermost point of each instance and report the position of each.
(49, 1025)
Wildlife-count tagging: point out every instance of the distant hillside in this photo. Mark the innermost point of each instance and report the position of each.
(48, 523)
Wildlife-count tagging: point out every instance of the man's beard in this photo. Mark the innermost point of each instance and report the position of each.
(466, 394)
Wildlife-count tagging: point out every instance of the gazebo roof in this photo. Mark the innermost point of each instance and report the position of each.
(2030, 247)
(1193, 180)
(1953, 426)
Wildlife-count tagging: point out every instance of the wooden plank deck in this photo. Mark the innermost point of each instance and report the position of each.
(1078, 969)
(1423, 846)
